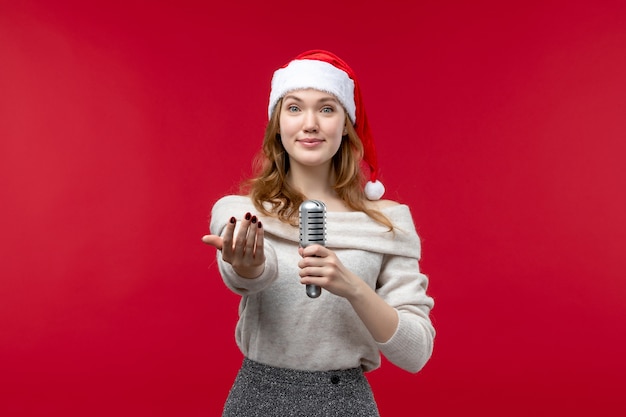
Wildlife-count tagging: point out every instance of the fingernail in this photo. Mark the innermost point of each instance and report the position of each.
(253, 219)
(233, 220)
(248, 215)
(260, 225)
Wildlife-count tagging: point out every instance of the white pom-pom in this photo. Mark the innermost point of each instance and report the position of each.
(374, 190)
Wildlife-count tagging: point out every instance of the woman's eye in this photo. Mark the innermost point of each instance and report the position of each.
(292, 108)
(327, 110)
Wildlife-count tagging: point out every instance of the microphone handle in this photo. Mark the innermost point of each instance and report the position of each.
(312, 231)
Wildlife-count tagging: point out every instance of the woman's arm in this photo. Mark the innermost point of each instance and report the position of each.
(320, 266)
(396, 314)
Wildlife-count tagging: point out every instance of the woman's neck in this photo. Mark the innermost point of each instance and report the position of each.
(315, 183)
(312, 182)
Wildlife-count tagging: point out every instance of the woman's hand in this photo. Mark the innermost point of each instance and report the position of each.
(244, 251)
(320, 266)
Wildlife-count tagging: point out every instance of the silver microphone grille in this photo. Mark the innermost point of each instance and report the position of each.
(312, 223)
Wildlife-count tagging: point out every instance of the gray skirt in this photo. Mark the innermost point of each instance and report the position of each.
(266, 391)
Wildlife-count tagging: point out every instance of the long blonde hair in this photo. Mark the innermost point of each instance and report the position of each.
(272, 164)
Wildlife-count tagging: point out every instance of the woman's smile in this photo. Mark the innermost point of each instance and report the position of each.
(310, 142)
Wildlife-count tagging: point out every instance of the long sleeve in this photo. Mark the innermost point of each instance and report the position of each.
(399, 282)
(247, 286)
(403, 286)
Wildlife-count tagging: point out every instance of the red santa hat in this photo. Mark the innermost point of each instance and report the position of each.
(327, 72)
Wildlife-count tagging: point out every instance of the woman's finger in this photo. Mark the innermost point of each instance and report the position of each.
(259, 252)
(239, 247)
(213, 240)
(251, 238)
(227, 239)
(314, 250)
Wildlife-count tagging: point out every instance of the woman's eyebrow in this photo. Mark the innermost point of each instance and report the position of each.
(291, 97)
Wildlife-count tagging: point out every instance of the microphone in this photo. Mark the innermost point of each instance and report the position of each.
(312, 231)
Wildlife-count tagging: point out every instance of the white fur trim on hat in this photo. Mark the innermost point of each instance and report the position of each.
(319, 75)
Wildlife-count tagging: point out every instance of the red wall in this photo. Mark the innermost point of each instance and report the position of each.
(502, 125)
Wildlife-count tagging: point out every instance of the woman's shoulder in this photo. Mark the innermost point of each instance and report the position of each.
(233, 199)
(389, 207)
(399, 213)
(226, 207)
(381, 205)
(232, 202)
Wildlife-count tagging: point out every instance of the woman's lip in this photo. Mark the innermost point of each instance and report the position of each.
(310, 143)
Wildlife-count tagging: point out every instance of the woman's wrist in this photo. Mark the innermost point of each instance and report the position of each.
(359, 291)
(250, 272)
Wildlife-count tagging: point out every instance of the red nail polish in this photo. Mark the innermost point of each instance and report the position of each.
(260, 225)
(233, 220)
(248, 215)
(253, 219)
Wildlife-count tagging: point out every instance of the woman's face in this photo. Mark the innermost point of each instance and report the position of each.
(311, 126)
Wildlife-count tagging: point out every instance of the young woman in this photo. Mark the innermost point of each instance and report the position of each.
(306, 356)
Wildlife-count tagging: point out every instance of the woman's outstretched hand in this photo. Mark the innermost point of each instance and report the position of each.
(243, 250)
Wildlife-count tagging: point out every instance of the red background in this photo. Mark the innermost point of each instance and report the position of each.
(503, 126)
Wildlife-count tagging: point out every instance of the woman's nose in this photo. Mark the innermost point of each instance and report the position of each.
(310, 122)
